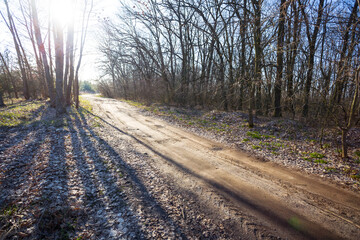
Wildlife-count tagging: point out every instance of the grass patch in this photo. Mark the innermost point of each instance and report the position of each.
(272, 148)
(254, 134)
(316, 155)
(264, 144)
(19, 114)
(355, 177)
(322, 161)
(326, 146)
(330, 169)
(85, 104)
(256, 147)
(96, 124)
(11, 101)
(307, 159)
(357, 154)
(10, 210)
(141, 106)
(268, 136)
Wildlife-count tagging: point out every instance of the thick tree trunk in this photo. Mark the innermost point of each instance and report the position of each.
(59, 64)
(258, 54)
(2, 104)
(70, 48)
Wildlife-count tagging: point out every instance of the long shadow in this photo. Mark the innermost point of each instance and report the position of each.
(79, 140)
(15, 169)
(18, 104)
(10, 142)
(55, 207)
(259, 209)
(14, 105)
(47, 179)
(21, 134)
(151, 203)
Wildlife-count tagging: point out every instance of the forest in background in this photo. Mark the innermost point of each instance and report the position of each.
(292, 58)
(48, 50)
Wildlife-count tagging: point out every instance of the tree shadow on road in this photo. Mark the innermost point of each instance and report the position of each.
(142, 194)
(304, 228)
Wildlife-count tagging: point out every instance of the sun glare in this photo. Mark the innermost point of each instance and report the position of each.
(62, 11)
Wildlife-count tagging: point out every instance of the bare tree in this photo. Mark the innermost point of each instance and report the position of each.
(279, 60)
(41, 47)
(312, 38)
(84, 28)
(6, 67)
(59, 64)
(11, 26)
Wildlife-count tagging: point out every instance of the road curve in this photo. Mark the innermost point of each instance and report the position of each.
(297, 205)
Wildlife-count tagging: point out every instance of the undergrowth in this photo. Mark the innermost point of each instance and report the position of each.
(20, 113)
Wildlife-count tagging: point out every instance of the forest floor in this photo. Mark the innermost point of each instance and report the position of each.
(111, 170)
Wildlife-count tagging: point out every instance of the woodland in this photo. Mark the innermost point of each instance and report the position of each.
(296, 59)
(213, 119)
(49, 68)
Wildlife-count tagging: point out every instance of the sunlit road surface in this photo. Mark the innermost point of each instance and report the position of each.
(297, 205)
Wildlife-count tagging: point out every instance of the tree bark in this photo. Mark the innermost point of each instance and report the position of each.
(312, 47)
(59, 64)
(258, 54)
(2, 104)
(341, 69)
(41, 47)
(291, 57)
(10, 75)
(70, 53)
(11, 27)
(279, 60)
(84, 27)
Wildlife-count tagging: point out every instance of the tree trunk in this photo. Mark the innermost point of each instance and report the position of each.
(291, 57)
(84, 27)
(41, 47)
(251, 105)
(243, 34)
(11, 27)
(312, 47)
(59, 64)
(70, 48)
(279, 60)
(10, 75)
(2, 104)
(344, 147)
(341, 71)
(258, 52)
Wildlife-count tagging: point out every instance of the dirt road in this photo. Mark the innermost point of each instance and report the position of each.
(287, 203)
